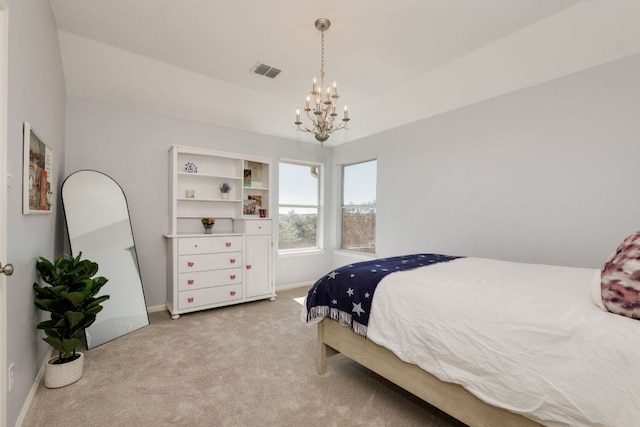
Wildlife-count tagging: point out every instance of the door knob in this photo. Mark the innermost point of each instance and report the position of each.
(7, 269)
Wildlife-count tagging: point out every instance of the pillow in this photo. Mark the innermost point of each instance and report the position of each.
(620, 279)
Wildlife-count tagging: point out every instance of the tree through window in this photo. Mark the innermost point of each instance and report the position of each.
(299, 205)
(359, 207)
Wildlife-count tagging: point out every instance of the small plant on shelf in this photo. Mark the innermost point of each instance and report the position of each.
(225, 187)
(207, 223)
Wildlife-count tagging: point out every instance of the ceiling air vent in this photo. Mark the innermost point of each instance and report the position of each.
(267, 71)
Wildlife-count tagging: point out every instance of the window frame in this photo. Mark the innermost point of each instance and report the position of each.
(319, 206)
(342, 206)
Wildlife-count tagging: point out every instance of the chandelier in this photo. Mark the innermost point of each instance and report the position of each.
(319, 109)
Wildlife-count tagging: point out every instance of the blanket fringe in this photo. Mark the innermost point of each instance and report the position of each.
(359, 329)
(344, 318)
(318, 312)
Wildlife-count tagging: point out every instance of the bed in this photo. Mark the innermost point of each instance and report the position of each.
(492, 343)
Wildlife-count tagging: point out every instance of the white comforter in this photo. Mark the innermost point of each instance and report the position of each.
(524, 337)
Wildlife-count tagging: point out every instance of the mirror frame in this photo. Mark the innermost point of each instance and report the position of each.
(105, 289)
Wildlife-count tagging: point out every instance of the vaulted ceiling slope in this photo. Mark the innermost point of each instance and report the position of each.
(394, 61)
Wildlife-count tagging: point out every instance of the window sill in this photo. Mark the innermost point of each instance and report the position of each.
(302, 252)
(355, 255)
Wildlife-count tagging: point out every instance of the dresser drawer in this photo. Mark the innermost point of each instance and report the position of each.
(191, 263)
(205, 245)
(257, 227)
(208, 296)
(207, 279)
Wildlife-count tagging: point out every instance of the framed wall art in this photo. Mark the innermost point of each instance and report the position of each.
(37, 188)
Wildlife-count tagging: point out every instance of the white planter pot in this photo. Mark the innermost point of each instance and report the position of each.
(56, 376)
(224, 195)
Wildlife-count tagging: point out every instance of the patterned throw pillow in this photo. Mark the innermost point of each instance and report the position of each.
(621, 279)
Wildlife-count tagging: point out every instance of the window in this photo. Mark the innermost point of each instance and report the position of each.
(359, 207)
(299, 205)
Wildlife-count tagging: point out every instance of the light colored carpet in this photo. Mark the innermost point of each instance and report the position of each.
(247, 365)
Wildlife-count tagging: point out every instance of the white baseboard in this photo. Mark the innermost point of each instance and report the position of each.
(34, 388)
(156, 308)
(294, 285)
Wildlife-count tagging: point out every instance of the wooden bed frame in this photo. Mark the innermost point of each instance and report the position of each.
(450, 398)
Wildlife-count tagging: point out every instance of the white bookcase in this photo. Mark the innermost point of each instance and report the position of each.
(234, 263)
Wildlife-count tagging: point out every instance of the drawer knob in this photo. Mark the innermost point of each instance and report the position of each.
(232, 277)
(228, 244)
(232, 260)
(190, 282)
(190, 264)
(248, 266)
(232, 293)
(190, 299)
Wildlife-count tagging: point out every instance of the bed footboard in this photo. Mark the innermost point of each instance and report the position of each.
(450, 398)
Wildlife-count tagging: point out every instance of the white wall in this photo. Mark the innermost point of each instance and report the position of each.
(132, 147)
(547, 174)
(36, 95)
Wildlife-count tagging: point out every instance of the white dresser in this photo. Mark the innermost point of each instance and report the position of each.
(233, 264)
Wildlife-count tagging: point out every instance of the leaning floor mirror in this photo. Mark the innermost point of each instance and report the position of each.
(98, 225)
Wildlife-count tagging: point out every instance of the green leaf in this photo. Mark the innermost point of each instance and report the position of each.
(74, 318)
(75, 298)
(55, 343)
(69, 345)
(98, 301)
(94, 310)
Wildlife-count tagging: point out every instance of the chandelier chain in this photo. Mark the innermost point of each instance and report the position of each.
(322, 61)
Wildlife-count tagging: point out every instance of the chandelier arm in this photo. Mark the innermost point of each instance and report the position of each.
(342, 125)
(305, 129)
(310, 116)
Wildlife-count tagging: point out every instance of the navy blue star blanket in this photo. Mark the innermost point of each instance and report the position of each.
(346, 293)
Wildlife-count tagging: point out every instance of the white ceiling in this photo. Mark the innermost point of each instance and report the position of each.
(394, 61)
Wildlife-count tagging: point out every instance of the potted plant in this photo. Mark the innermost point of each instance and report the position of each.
(225, 188)
(71, 299)
(207, 223)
